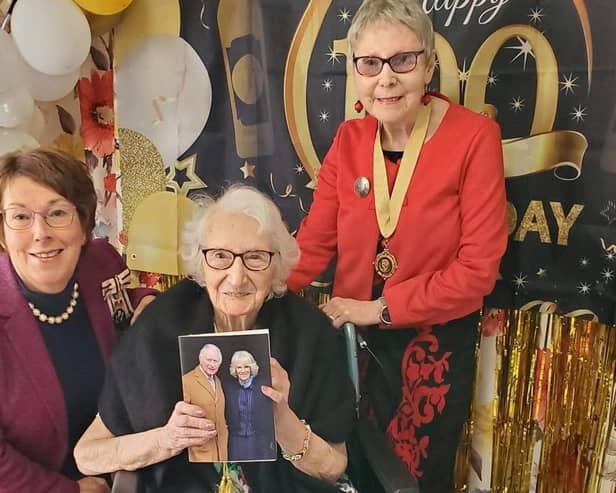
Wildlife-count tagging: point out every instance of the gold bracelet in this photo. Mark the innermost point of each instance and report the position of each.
(300, 455)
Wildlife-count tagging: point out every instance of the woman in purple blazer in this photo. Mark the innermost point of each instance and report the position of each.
(62, 295)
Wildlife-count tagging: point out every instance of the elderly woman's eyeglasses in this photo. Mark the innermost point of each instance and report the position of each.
(57, 216)
(400, 63)
(221, 259)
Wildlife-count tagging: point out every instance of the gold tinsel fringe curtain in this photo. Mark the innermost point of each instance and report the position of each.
(543, 409)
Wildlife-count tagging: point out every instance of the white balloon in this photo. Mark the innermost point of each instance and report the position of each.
(35, 126)
(14, 140)
(16, 106)
(10, 63)
(45, 87)
(164, 92)
(16, 71)
(53, 36)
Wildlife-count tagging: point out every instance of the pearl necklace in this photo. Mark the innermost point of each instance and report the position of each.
(50, 319)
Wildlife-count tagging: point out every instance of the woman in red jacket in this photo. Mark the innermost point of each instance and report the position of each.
(411, 202)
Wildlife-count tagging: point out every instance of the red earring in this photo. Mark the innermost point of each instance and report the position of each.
(426, 98)
(358, 106)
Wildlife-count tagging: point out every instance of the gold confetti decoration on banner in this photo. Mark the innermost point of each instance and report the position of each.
(609, 249)
(142, 171)
(203, 15)
(301, 205)
(272, 183)
(288, 191)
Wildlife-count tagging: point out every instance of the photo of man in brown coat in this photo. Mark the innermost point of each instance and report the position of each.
(202, 388)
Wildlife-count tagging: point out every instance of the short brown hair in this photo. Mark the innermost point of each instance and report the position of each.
(57, 170)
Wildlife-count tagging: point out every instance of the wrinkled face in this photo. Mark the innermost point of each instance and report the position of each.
(390, 97)
(44, 258)
(243, 371)
(210, 362)
(236, 293)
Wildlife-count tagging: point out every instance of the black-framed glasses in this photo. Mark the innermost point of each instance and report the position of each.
(221, 259)
(56, 216)
(400, 63)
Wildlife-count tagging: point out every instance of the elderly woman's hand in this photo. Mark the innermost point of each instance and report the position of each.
(279, 391)
(341, 310)
(186, 427)
(93, 484)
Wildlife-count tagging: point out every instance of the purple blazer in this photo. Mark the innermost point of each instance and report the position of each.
(33, 417)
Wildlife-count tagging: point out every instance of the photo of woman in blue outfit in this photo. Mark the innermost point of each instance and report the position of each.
(248, 412)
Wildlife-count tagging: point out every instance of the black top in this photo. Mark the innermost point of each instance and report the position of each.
(393, 156)
(143, 383)
(76, 357)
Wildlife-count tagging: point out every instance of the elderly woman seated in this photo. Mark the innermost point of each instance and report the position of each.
(242, 253)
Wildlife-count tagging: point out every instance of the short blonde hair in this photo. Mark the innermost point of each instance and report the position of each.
(409, 13)
(242, 199)
(240, 357)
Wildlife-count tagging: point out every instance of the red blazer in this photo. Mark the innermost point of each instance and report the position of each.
(33, 418)
(452, 230)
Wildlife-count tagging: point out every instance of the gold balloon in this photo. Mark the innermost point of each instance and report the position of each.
(153, 240)
(103, 7)
(143, 19)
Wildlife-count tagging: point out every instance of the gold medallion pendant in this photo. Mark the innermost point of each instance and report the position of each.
(388, 207)
(385, 263)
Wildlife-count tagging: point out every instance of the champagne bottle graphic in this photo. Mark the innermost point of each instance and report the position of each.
(240, 24)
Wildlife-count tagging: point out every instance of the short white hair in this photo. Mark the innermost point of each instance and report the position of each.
(409, 13)
(241, 199)
(245, 357)
(206, 348)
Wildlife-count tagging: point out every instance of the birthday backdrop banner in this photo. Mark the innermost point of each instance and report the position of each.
(215, 92)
